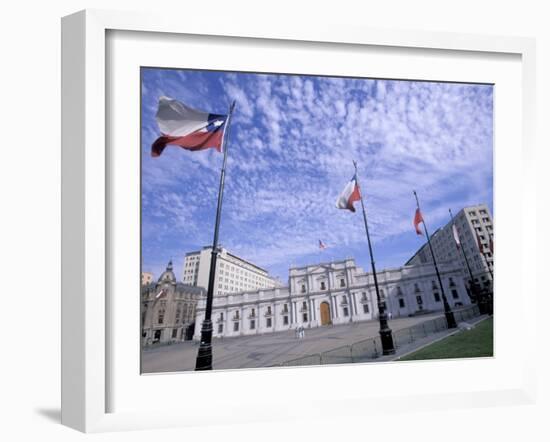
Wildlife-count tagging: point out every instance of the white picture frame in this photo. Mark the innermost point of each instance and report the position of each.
(86, 314)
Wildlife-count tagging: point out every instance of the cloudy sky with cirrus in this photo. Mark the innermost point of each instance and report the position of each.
(291, 149)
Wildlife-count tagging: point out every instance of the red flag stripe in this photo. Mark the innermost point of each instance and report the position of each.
(199, 140)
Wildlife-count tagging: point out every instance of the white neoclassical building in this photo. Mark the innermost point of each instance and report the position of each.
(334, 293)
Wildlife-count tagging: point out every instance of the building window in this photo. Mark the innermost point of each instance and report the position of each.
(454, 293)
(416, 288)
(437, 298)
(382, 295)
(346, 313)
(434, 286)
(268, 323)
(268, 310)
(401, 303)
(174, 333)
(161, 317)
(220, 328)
(253, 312)
(451, 282)
(303, 288)
(344, 299)
(342, 283)
(323, 286)
(419, 300)
(304, 317)
(365, 308)
(252, 325)
(285, 320)
(285, 308)
(235, 326)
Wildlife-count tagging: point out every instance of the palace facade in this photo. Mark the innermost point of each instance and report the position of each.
(334, 293)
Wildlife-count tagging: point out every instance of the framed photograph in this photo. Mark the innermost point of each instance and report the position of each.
(353, 186)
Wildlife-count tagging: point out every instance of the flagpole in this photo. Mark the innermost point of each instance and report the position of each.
(204, 355)
(385, 331)
(473, 285)
(451, 322)
(487, 264)
(485, 293)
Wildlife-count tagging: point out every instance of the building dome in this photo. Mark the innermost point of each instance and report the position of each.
(168, 274)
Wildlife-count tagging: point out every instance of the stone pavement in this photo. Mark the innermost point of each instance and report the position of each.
(275, 348)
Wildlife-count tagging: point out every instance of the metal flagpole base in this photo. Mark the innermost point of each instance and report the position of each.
(386, 337)
(204, 355)
(387, 342)
(451, 321)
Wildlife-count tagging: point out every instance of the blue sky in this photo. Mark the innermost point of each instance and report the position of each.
(292, 143)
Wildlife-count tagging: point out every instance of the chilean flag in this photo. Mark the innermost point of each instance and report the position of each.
(349, 195)
(417, 220)
(186, 127)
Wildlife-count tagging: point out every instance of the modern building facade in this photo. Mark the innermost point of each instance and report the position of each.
(233, 274)
(168, 309)
(334, 293)
(471, 222)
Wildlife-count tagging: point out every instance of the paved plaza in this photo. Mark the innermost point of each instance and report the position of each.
(268, 349)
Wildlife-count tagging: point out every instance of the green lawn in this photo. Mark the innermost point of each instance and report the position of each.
(467, 344)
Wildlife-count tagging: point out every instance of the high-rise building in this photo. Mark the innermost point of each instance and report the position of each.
(471, 222)
(233, 274)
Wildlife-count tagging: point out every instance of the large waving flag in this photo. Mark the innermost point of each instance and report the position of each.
(417, 220)
(322, 245)
(186, 127)
(349, 195)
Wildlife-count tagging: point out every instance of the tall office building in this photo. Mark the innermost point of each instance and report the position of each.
(471, 222)
(233, 274)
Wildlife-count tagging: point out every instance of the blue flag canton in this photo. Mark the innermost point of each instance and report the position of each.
(215, 122)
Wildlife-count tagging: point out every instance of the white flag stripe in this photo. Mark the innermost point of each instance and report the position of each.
(455, 234)
(177, 119)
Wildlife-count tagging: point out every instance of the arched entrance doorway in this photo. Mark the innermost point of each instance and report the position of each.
(325, 313)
